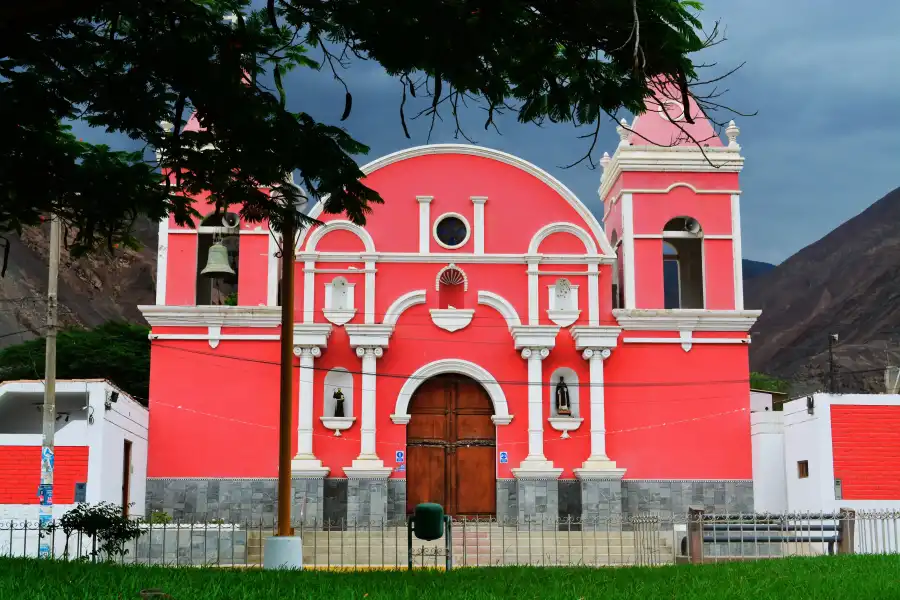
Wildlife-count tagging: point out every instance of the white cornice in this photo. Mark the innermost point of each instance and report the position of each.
(206, 316)
(601, 336)
(456, 258)
(664, 158)
(538, 336)
(686, 319)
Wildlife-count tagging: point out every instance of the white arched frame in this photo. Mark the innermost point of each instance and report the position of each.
(557, 186)
(502, 306)
(501, 414)
(401, 304)
(319, 232)
(548, 230)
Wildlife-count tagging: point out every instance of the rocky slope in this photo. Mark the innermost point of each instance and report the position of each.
(92, 289)
(847, 283)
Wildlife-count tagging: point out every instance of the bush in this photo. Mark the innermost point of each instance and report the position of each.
(160, 517)
(106, 525)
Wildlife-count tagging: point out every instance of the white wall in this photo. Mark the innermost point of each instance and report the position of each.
(802, 441)
(104, 437)
(126, 420)
(767, 439)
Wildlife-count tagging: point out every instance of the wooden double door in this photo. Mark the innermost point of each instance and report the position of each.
(451, 447)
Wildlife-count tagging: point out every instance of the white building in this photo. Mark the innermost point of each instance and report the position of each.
(100, 447)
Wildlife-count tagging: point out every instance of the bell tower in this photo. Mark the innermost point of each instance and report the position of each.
(671, 201)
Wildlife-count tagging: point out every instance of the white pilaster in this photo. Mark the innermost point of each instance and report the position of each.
(424, 223)
(162, 261)
(598, 465)
(738, 256)
(305, 463)
(370, 289)
(533, 298)
(368, 465)
(478, 204)
(272, 271)
(593, 294)
(309, 291)
(536, 465)
(628, 249)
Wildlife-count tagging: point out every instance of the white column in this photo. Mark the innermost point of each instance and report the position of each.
(738, 256)
(424, 223)
(369, 316)
(628, 248)
(369, 382)
(598, 464)
(593, 295)
(309, 291)
(536, 464)
(478, 203)
(306, 463)
(162, 261)
(272, 268)
(533, 299)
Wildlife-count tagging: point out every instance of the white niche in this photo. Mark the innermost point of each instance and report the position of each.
(336, 379)
(563, 302)
(565, 423)
(339, 301)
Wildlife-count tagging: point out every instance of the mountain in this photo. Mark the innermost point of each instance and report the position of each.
(846, 283)
(92, 290)
(755, 268)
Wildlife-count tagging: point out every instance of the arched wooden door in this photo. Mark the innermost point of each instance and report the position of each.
(451, 444)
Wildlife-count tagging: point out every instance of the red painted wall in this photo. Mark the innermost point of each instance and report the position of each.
(20, 473)
(669, 413)
(866, 449)
(253, 274)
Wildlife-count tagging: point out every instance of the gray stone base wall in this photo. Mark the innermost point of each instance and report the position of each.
(375, 501)
(601, 502)
(173, 545)
(670, 499)
(538, 502)
(367, 502)
(232, 500)
(507, 501)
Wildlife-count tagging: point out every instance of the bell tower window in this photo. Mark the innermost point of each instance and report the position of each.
(218, 253)
(682, 257)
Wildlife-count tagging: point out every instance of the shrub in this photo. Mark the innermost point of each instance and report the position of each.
(107, 526)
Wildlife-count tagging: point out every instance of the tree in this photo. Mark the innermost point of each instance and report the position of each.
(767, 383)
(116, 351)
(129, 66)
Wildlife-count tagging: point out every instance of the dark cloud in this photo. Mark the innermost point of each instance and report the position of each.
(822, 148)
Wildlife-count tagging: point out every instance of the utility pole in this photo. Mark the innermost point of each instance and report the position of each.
(49, 418)
(832, 339)
(287, 375)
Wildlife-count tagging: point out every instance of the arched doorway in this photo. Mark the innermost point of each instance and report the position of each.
(451, 444)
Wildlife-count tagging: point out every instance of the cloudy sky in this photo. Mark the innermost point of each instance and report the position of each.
(823, 75)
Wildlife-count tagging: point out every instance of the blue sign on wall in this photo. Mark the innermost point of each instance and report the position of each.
(399, 456)
(504, 458)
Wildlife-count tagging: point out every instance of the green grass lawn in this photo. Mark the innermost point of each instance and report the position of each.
(827, 578)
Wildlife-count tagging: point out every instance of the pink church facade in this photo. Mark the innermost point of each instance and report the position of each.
(482, 342)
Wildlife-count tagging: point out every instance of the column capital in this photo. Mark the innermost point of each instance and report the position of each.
(596, 353)
(537, 352)
(302, 351)
(376, 351)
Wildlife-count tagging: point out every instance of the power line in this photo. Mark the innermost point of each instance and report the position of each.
(492, 381)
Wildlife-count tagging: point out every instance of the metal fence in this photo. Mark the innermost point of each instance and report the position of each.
(637, 540)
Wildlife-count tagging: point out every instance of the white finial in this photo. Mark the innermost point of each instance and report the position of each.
(732, 131)
(604, 161)
(166, 126)
(623, 132)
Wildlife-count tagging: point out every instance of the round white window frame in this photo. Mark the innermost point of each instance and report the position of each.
(437, 222)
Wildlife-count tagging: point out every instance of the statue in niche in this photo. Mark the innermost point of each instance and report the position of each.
(562, 398)
(338, 403)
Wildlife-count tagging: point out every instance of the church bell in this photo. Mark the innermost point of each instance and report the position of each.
(217, 262)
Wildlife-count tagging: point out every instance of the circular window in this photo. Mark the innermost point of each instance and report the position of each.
(451, 230)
